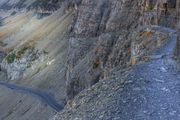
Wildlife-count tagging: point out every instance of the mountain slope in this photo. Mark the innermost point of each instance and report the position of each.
(62, 47)
(40, 49)
(144, 92)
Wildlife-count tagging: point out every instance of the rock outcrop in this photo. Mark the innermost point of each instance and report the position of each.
(101, 40)
(18, 61)
(178, 29)
(161, 12)
(177, 50)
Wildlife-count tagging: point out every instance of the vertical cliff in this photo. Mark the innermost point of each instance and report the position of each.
(177, 51)
(101, 40)
(103, 34)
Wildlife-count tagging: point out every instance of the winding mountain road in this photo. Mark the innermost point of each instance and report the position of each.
(45, 97)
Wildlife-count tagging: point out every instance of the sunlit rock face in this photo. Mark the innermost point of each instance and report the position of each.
(41, 8)
(33, 53)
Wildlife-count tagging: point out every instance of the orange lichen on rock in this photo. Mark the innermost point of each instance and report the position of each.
(149, 34)
(134, 61)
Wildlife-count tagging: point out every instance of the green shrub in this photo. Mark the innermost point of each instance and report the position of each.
(16, 55)
(151, 8)
(10, 58)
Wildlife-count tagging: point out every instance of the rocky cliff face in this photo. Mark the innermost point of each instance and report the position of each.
(110, 39)
(178, 29)
(161, 12)
(101, 40)
(177, 50)
(106, 34)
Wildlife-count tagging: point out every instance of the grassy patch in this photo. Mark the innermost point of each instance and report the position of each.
(17, 54)
(151, 7)
(21, 52)
(11, 57)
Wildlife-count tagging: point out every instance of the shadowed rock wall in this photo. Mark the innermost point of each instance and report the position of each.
(177, 52)
(101, 40)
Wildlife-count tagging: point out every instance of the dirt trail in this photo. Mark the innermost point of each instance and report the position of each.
(155, 92)
(45, 97)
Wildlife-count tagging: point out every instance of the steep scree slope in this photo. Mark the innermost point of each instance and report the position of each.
(35, 55)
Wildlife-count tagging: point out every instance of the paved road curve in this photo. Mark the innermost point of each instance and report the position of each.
(45, 97)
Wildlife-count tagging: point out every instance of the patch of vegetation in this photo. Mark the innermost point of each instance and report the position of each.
(151, 7)
(21, 52)
(17, 54)
(10, 58)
